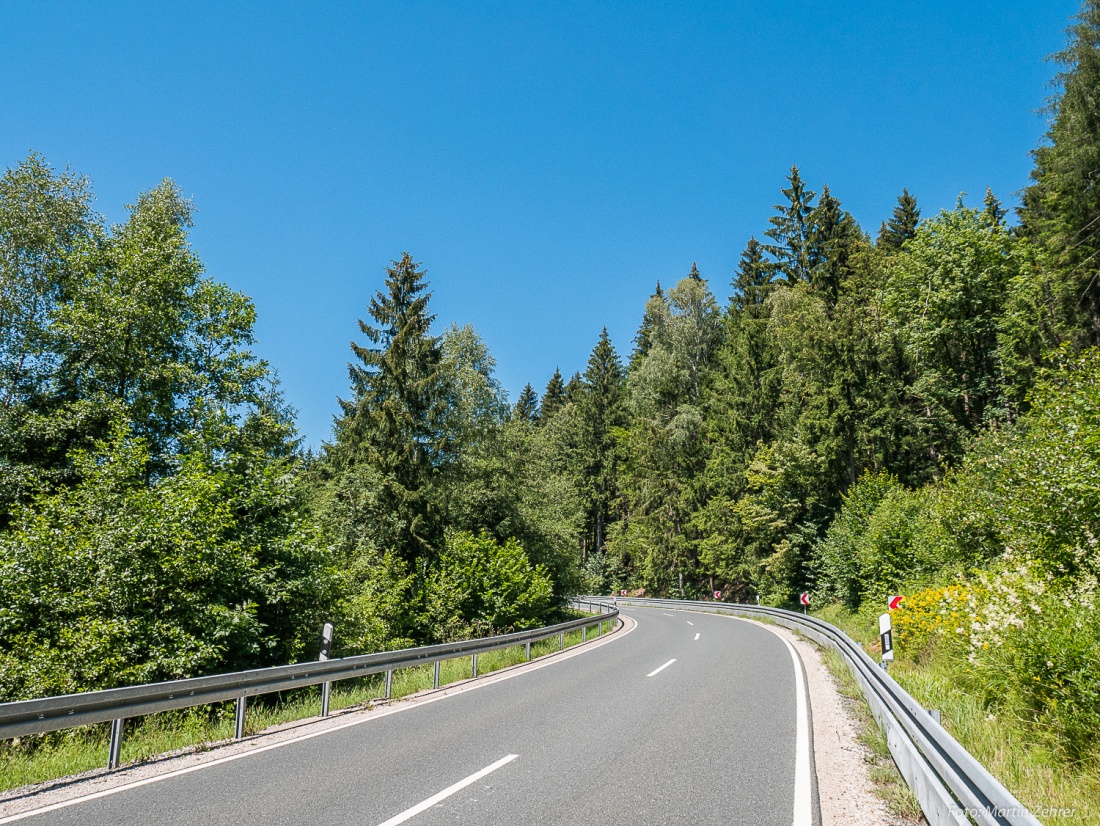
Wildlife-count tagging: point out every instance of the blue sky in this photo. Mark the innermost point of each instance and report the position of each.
(547, 162)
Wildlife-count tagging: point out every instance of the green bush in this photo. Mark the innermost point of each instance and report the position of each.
(480, 586)
(121, 580)
(1035, 649)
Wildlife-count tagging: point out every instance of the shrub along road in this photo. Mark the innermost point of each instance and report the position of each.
(687, 718)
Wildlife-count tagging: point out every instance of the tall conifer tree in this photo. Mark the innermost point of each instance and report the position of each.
(752, 282)
(554, 397)
(790, 231)
(653, 320)
(575, 389)
(393, 422)
(902, 224)
(601, 412)
(1061, 209)
(833, 234)
(527, 406)
(993, 212)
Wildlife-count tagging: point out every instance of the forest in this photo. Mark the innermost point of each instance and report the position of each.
(854, 412)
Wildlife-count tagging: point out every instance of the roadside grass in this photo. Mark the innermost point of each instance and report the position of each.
(42, 758)
(1059, 793)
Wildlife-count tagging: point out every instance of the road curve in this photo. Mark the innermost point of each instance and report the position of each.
(688, 719)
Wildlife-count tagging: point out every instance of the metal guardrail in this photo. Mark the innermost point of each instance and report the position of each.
(115, 705)
(950, 785)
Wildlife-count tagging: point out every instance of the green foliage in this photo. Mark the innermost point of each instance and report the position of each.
(945, 295)
(553, 398)
(1061, 208)
(481, 586)
(791, 231)
(527, 406)
(1042, 667)
(394, 421)
(902, 224)
(116, 581)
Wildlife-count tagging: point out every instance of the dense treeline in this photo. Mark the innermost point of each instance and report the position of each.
(914, 409)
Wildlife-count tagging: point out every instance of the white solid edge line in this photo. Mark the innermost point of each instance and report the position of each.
(803, 799)
(447, 792)
(657, 671)
(696, 635)
(471, 686)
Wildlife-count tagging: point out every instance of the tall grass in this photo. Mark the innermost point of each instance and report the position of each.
(41, 758)
(1060, 793)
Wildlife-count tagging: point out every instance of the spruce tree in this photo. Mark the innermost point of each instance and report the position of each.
(902, 224)
(575, 389)
(993, 213)
(694, 274)
(790, 231)
(832, 237)
(601, 414)
(1061, 209)
(752, 282)
(393, 422)
(527, 407)
(553, 398)
(653, 320)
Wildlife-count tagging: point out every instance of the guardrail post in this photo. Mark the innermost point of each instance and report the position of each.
(561, 641)
(584, 634)
(527, 651)
(435, 675)
(473, 665)
(114, 752)
(238, 727)
(326, 688)
(389, 683)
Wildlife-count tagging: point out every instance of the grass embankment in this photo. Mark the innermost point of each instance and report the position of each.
(1058, 792)
(48, 757)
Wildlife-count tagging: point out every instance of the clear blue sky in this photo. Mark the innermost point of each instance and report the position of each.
(548, 162)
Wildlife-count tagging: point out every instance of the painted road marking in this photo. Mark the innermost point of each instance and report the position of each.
(696, 635)
(657, 671)
(667, 615)
(473, 685)
(412, 812)
(803, 799)
(689, 622)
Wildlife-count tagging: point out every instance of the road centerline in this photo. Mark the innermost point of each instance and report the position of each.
(689, 622)
(696, 635)
(659, 669)
(424, 805)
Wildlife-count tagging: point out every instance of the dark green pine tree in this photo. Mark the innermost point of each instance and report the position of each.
(575, 389)
(527, 407)
(902, 224)
(1061, 209)
(832, 238)
(553, 399)
(601, 413)
(992, 212)
(790, 231)
(654, 317)
(694, 274)
(393, 420)
(753, 280)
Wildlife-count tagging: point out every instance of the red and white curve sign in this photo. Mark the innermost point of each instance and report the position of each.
(894, 602)
(717, 594)
(804, 598)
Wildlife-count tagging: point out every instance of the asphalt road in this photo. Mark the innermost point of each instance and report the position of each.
(597, 738)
